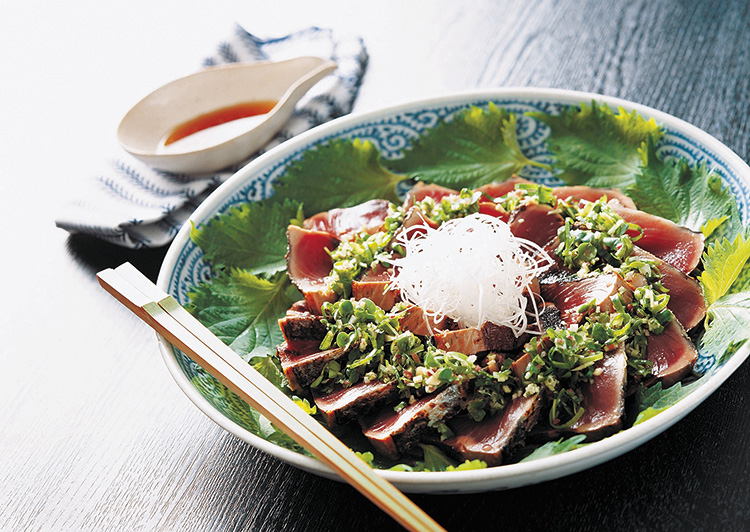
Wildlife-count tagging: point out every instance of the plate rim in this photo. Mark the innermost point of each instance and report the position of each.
(491, 478)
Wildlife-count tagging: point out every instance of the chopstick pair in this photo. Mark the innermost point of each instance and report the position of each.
(167, 317)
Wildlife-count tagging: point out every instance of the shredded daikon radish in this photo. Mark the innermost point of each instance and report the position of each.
(472, 270)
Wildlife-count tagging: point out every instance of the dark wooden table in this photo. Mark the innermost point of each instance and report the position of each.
(95, 435)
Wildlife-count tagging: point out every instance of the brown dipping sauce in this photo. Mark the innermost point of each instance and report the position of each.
(218, 117)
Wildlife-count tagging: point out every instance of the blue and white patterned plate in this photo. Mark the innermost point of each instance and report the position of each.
(392, 130)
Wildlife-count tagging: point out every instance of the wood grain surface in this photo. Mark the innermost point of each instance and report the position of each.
(95, 435)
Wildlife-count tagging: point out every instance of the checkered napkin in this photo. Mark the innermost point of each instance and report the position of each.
(133, 205)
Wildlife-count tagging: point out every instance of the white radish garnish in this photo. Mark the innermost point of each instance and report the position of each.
(472, 270)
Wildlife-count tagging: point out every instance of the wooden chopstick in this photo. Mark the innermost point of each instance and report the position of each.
(165, 315)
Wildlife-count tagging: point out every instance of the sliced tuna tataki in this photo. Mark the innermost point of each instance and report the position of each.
(393, 433)
(537, 223)
(676, 245)
(302, 366)
(472, 340)
(604, 398)
(493, 438)
(415, 319)
(568, 292)
(302, 326)
(671, 353)
(346, 222)
(422, 190)
(374, 284)
(345, 404)
(493, 209)
(501, 188)
(309, 263)
(686, 299)
(583, 192)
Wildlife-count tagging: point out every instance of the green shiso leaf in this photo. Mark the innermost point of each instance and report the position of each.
(727, 226)
(556, 447)
(228, 402)
(341, 173)
(689, 195)
(725, 268)
(726, 283)
(655, 399)
(435, 460)
(243, 310)
(726, 326)
(596, 147)
(270, 367)
(478, 146)
(250, 237)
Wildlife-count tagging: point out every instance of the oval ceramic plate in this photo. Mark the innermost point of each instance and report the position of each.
(391, 130)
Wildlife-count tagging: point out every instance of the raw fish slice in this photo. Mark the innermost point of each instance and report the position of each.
(686, 299)
(472, 340)
(393, 433)
(415, 224)
(344, 404)
(422, 324)
(568, 292)
(302, 326)
(671, 353)
(537, 223)
(345, 223)
(422, 190)
(309, 263)
(493, 438)
(501, 188)
(676, 245)
(374, 284)
(604, 398)
(493, 209)
(592, 194)
(302, 367)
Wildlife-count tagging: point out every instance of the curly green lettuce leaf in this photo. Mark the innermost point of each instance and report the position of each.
(595, 146)
(689, 195)
(341, 173)
(725, 268)
(243, 310)
(478, 146)
(251, 236)
(655, 399)
(556, 447)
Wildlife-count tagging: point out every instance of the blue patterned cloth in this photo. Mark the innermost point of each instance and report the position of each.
(136, 206)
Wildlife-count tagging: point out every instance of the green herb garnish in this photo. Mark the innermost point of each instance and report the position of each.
(447, 208)
(353, 257)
